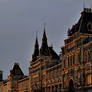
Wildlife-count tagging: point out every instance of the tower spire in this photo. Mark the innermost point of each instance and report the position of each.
(44, 35)
(44, 47)
(36, 50)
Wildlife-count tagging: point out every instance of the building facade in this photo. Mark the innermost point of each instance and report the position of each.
(44, 72)
(71, 71)
(77, 55)
(44, 69)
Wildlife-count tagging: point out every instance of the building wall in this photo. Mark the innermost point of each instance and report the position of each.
(47, 73)
(44, 76)
(23, 85)
(77, 62)
(54, 78)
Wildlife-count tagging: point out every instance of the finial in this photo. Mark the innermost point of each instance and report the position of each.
(36, 33)
(44, 24)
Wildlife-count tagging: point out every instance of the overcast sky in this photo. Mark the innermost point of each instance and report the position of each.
(19, 21)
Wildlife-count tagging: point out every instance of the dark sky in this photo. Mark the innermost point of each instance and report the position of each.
(19, 21)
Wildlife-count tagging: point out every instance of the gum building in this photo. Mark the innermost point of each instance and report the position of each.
(44, 72)
(77, 55)
(71, 71)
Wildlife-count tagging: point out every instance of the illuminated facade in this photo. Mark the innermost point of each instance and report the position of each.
(77, 55)
(45, 69)
(48, 72)
(44, 72)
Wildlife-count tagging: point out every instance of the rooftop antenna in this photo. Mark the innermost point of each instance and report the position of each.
(83, 4)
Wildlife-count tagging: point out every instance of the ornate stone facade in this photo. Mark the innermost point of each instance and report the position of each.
(77, 54)
(48, 72)
(44, 72)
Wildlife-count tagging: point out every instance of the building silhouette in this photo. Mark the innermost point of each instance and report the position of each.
(71, 71)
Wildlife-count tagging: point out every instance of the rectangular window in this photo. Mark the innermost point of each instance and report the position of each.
(89, 79)
(53, 75)
(73, 59)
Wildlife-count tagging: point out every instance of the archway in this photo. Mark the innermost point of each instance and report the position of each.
(71, 86)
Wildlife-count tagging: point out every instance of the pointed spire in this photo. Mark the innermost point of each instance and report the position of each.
(36, 43)
(44, 35)
(16, 70)
(36, 50)
(44, 47)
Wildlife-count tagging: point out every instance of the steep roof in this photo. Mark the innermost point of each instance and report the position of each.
(36, 50)
(44, 50)
(16, 70)
(82, 24)
(53, 53)
(85, 19)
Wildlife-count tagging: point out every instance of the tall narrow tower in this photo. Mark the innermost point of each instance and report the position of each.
(44, 47)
